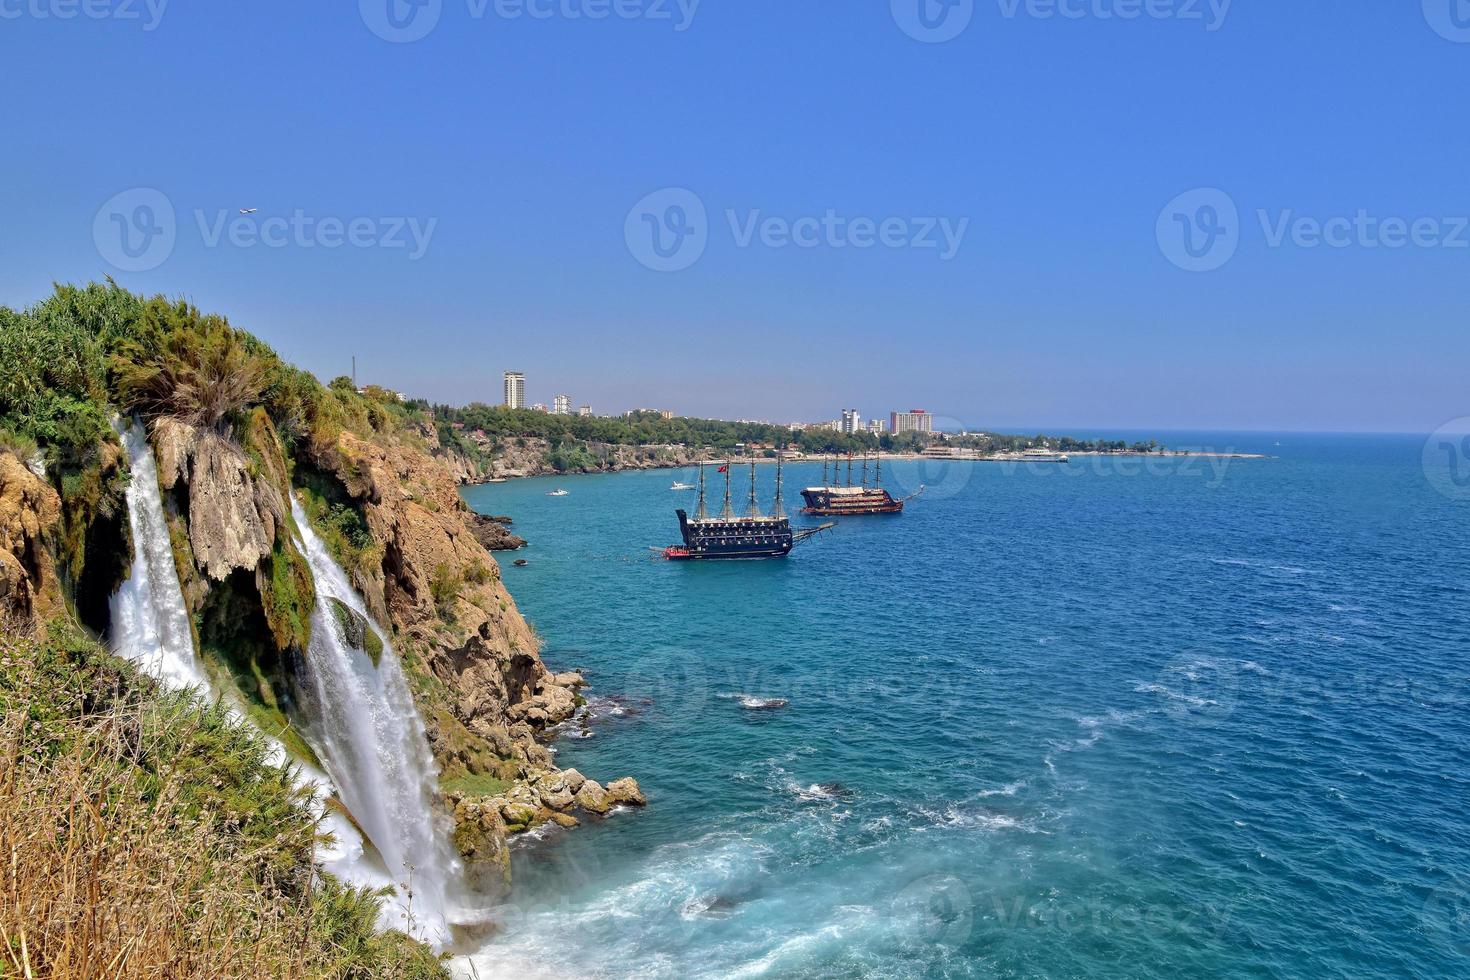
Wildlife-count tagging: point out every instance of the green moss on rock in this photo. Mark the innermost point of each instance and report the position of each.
(287, 596)
(357, 631)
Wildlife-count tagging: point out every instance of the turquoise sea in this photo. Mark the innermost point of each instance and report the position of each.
(1093, 720)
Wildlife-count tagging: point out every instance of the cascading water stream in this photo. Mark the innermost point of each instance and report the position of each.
(150, 627)
(150, 624)
(361, 720)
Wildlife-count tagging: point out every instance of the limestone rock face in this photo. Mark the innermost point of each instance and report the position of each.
(440, 590)
(439, 587)
(30, 512)
(480, 835)
(233, 517)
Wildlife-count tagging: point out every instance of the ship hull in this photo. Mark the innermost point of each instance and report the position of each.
(727, 540)
(822, 503)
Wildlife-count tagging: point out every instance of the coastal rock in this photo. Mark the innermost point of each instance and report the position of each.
(480, 837)
(570, 679)
(30, 512)
(491, 533)
(554, 792)
(625, 790)
(517, 814)
(550, 705)
(593, 798)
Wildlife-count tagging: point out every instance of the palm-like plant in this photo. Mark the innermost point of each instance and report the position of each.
(192, 367)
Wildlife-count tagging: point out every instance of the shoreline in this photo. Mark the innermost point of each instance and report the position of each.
(509, 475)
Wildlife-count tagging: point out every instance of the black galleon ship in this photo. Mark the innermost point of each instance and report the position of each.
(752, 535)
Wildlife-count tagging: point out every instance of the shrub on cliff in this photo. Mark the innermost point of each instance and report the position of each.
(53, 389)
(147, 835)
(191, 366)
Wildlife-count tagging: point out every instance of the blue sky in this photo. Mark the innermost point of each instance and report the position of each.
(521, 146)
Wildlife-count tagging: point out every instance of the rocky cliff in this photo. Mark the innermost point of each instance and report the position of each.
(528, 456)
(425, 574)
(239, 437)
(30, 515)
(485, 693)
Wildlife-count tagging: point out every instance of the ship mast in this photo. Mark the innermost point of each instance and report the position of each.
(754, 508)
(776, 509)
(878, 467)
(727, 513)
(849, 469)
(825, 461)
(701, 513)
(865, 467)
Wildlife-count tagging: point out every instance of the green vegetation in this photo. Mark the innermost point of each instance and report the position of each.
(475, 785)
(288, 596)
(147, 835)
(568, 433)
(190, 366)
(445, 585)
(358, 632)
(569, 437)
(174, 813)
(337, 520)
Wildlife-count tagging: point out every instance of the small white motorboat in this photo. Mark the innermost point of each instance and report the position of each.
(681, 486)
(556, 493)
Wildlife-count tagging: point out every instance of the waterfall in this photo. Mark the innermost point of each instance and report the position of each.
(361, 721)
(150, 624)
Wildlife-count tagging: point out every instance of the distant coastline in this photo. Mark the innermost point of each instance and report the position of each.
(545, 468)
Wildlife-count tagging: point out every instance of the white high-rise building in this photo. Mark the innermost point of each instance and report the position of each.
(852, 420)
(585, 411)
(877, 426)
(561, 405)
(914, 420)
(515, 389)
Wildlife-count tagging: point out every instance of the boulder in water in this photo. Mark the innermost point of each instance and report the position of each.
(553, 791)
(626, 790)
(593, 798)
(573, 779)
(518, 814)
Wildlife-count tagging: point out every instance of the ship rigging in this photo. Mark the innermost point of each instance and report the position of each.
(751, 534)
(832, 499)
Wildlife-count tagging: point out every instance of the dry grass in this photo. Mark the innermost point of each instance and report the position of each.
(145, 836)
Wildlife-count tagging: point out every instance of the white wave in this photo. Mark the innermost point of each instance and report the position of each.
(1009, 789)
